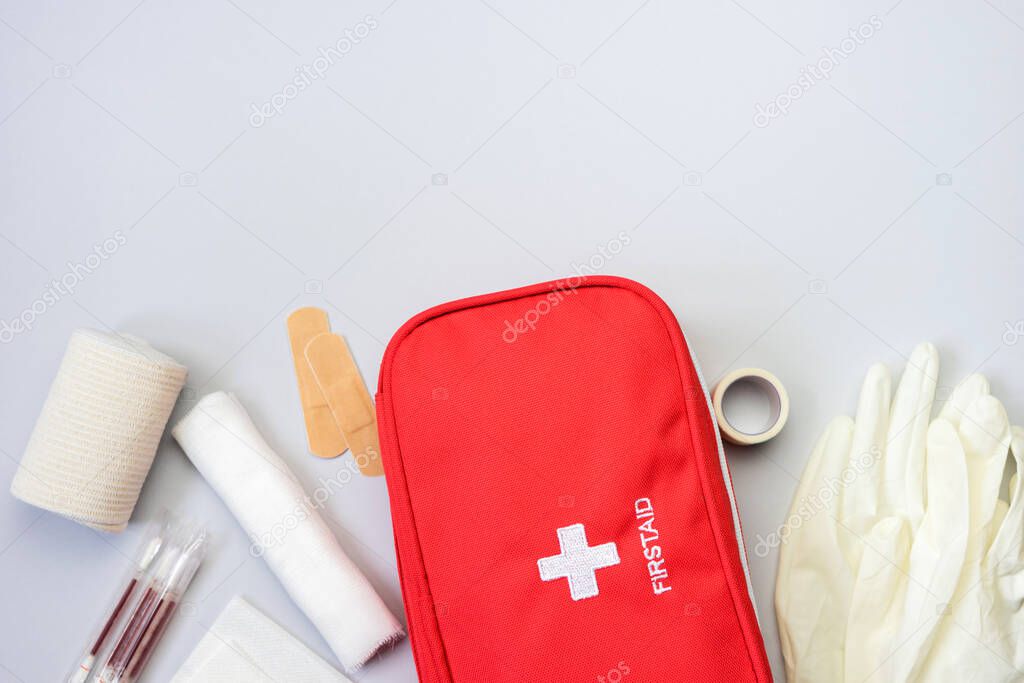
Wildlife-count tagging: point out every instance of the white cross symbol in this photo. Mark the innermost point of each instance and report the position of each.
(578, 562)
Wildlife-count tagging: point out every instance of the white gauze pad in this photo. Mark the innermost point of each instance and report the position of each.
(256, 484)
(246, 645)
(99, 429)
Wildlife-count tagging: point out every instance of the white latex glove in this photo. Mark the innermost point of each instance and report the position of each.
(815, 580)
(875, 549)
(925, 581)
(980, 637)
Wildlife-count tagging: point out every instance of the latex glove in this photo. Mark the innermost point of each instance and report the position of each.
(843, 583)
(924, 581)
(914, 550)
(815, 580)
(979, 638)
(840, 501)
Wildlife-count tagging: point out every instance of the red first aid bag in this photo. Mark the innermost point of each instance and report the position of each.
(561, 504)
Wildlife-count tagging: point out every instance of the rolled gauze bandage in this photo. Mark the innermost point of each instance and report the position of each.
(256, 484)
(99, 429)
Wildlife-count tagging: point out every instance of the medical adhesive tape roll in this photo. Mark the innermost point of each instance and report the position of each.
(98, 431)
(778, 399)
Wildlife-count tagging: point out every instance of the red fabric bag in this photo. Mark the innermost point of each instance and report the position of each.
(561, 505)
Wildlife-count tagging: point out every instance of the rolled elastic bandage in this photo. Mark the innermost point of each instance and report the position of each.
(256, 484)
(98, 431)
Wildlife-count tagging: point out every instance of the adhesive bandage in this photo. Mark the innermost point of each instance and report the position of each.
(324, 436)
(339, 380)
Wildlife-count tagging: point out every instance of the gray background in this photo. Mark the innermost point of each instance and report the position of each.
(883, 209)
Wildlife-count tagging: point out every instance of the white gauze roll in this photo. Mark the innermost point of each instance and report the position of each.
(98, 431)
(221, 440)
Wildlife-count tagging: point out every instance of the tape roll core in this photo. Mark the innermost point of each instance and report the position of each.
(777, 393)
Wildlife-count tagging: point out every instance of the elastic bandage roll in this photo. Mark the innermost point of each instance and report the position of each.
(220, 439)
(98, 431)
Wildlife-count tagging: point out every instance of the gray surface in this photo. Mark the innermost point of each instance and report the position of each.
(812, 246)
